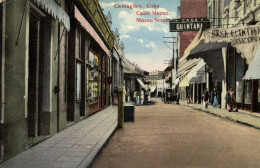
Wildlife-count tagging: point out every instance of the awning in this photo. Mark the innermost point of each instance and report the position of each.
(245, 39)
(200, 77)
(84, 23)
(196, 75)
(185, 82)
(141, 83)
(153, 88)
(115, 54)
(55, 10)
(123, 63)
(186, 65)
(253, 71)
(193, 73)
(198, 45)
(211, 53)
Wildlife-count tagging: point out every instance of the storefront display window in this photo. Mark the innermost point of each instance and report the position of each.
(248, 90)
(93, 78)
(239, 76)
(87, 82)
(78, 81)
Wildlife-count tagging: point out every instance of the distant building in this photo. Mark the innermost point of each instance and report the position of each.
(190, 9)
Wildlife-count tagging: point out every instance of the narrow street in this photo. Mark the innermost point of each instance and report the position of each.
(167, 135)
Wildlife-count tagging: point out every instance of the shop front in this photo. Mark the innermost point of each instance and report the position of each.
(97, 85)
(242, 48)
(91, 55)
(253, 76)
(229, 53)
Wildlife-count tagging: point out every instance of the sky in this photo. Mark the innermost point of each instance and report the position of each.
(143, 40)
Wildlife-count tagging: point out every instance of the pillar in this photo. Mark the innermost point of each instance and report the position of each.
(121, 95)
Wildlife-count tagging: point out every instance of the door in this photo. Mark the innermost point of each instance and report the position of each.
(255, 95)
(33, 77)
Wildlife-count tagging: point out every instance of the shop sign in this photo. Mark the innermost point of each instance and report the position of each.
(189, 24)
(245, 39)
(235, 36)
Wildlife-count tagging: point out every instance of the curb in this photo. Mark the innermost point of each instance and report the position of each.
(97, 155)
(225, 117)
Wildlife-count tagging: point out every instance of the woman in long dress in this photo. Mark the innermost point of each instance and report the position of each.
(215, 98)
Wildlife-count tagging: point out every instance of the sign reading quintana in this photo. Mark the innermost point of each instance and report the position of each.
(188, 24)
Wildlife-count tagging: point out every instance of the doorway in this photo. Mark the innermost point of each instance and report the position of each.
(33, 76)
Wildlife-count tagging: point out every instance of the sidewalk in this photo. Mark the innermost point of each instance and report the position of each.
(242, 117)
(75, 147)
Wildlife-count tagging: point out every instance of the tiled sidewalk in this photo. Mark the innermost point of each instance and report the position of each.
(242, 117)
(75, 147)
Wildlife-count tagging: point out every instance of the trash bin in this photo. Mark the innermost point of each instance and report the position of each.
(129, 113)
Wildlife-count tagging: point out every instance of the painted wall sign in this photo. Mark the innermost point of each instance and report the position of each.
(189, 24)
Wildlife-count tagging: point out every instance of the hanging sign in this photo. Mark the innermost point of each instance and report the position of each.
(236, 35)
(189, 24)
(245, 39)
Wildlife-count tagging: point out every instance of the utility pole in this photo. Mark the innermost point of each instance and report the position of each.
(174, 63)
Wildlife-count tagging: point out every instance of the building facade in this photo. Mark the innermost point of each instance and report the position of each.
(231, 59)
(189, 9)
(56, 61)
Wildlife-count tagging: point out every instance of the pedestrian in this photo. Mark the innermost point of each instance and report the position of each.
(134, 96)
(137, 98)
(230, 100)
(206, 98)
(215, 98)
(188, 96)
(149, 96)
(142, 96)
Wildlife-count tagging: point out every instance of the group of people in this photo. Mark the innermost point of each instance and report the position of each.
(142, 97)
(213, 98)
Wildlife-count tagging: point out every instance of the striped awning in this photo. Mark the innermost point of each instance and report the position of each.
(153, 88)
(86, 25)
(185, 82)
(51, 7)
(141, 83)
(123, 63)
(253, 71)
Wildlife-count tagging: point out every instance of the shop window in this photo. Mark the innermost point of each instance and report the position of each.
(77, 43)
(87, 81)
(86, 51)
(93, 78)
(248, 91)
(239, 76)
(78, 81)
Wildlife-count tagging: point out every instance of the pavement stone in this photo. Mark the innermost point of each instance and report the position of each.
(74, 147)
(242, 117)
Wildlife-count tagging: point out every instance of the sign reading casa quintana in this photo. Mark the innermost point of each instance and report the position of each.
(188, 24)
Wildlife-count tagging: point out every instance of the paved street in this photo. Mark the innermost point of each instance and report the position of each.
(167, 135)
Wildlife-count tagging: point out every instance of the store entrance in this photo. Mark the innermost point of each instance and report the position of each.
(33, 76)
